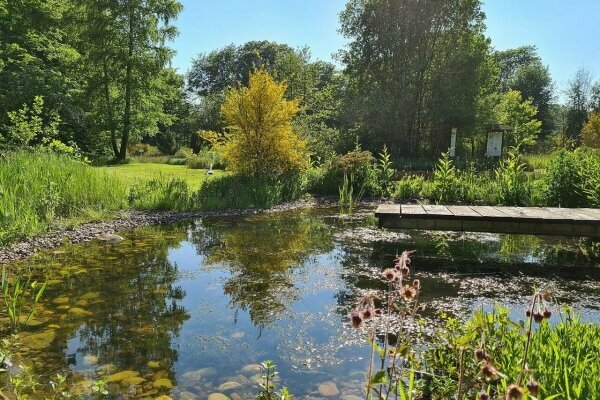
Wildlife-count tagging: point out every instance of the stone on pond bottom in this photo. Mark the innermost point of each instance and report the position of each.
(217, 396)
(328, 389)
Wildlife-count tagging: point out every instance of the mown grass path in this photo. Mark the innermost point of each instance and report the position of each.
(135, 173)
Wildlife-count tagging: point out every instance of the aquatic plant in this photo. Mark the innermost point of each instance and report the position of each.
(268, 386)
(20, 296)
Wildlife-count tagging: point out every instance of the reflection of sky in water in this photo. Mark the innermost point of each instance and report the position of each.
(280, 286)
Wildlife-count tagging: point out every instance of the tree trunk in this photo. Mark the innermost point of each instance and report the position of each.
(128, 89)
(111, 121)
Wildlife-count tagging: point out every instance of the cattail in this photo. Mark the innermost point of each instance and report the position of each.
(514, 392)
(533, 387)
(357, 319)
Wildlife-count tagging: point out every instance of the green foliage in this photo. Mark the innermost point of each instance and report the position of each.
(445, 180)
(590, 133)
(520, 114)
(239, 192)
(409, 187)
(21, 296)
(386, 172)
(573, 179)
(561, 356)
(160, 194)
(37, 187)
(27, 126)
(514, 186)
(268, 385)
(206, 159)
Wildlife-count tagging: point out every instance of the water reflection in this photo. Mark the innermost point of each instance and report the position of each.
(200, 304)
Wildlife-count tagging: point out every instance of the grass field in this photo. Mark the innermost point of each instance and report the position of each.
(135, 173)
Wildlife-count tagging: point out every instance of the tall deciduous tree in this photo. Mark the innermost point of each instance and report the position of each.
(416, 69)
(578, 103)
(124, 43)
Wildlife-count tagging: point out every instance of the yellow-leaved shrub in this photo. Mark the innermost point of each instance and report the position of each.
(262, 142)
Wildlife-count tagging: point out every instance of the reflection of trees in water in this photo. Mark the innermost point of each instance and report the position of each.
(129, 311)
(261, 253)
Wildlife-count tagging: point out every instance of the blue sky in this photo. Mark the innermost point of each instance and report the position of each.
(566, 32)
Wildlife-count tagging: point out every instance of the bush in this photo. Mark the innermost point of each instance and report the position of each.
(206, 159)
(445, 180)
(143, 149)
(184, 152)
(239, 192)
(573, 179)
(514, 186)
(161, 194)
(409, 187)
(37, 187)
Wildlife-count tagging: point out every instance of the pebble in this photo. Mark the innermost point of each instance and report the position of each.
(217, 396)
(328, 389)
(89, 359)
(251, 369)
(224, 387)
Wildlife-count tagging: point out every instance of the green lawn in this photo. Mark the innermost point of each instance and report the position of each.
(134, 173)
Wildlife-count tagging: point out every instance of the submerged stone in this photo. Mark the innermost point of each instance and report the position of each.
(89, 359)
(110, 238)
(38, 341)
(224, 387)
(191, 378)
(153, 364)
(328, 389)
(163, 397)
(187, 396)
(217, 396)
(251, 369)
(61, 300)
(79, 312)
(163, 383)
(134, 380)
(120, 376)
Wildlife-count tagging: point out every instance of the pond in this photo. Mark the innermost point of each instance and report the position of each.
(198, 305)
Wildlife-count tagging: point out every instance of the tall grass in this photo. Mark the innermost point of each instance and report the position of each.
(38, 187)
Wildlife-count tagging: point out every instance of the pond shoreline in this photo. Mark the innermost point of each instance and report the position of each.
(124, 220)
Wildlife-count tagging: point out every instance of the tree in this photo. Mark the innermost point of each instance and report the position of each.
(124, 45)
(590, 133)
(520, 114)
(416, 69)
(262, 142)
(37, 60)
(27, 126)
(578, 103)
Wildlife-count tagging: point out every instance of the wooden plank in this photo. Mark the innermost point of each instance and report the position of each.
(388, 209)
(489, 212)
(568, 214)
(437, 210)
(412, 209)
(591, 212)
(463, 211)
(539, 213)
(515, 213)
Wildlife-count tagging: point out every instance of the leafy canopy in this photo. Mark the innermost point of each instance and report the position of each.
(262, 143)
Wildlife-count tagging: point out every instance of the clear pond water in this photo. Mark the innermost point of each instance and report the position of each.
(197, 305)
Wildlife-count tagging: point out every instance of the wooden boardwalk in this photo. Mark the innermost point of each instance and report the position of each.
(528, 220)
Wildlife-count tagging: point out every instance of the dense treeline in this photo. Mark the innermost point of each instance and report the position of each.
(96, 75)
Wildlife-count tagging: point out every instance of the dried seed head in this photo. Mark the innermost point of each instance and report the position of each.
(528, 312)
(366, 314)
(417, 284)
(489, 371)
(377, 312)
(538, 317)
(357, 319)
(480, 354)
(514, 392)
(547, 313)
(483, 395)
(421, 307)
(533, 387)
(405, 270)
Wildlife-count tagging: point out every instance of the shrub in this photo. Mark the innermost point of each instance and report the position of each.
(161, 194)
(239, 192)
(573, 179)
(37, 187)
(445, 181)
(206, 159)
(262, 143)
(514, 186)
(184, 152)
(143, 149)
(409, 187)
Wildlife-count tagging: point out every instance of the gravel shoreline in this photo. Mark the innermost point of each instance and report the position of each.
(125, 220)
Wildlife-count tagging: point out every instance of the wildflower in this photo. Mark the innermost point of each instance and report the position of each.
(366, 314)
(390, 274)
(489, 371)
(528, 312)
(547, 313)
(377, 312)
(357, 319)
(421, 307)
(533, 387)
(514, 392)
(405, 270)
(417, 284)
(408, 293)
(483, 395)
(538, 317)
